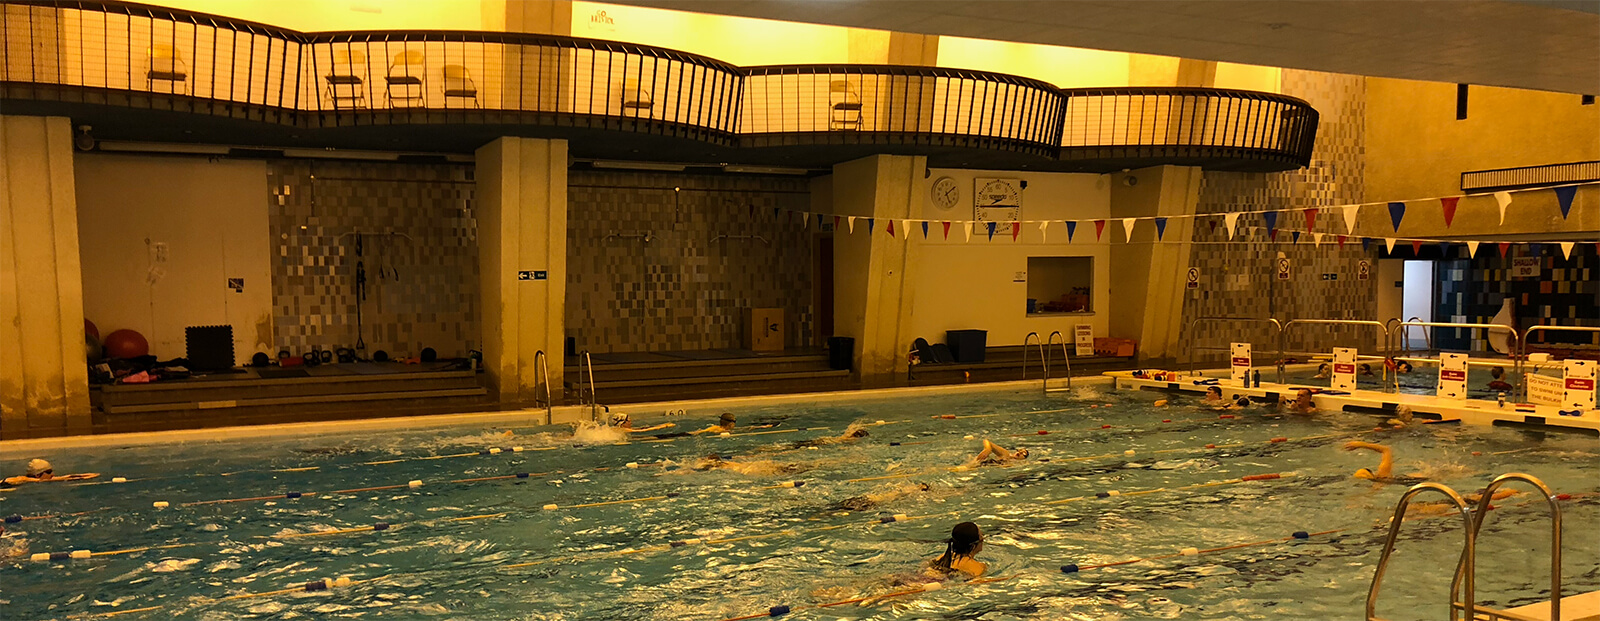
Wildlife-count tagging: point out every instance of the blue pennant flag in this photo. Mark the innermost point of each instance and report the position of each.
(774, 212)
(1397, 212)
(1366, 243)
(1294, 237)
(869, 225)
(1272, 219)
(819, 221)
(1564, 196)
(1444, 249)
(991, 231)
(1161, 228)
(1072, 227)
(1535, 249)
(924, 229)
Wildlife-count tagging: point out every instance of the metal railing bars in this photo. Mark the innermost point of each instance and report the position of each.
(1465, 604)
(1064, 358)
(1033, 337)
(586, 393)
(1516, 337)
(1190, 349)
(1464, 567)
(1522, 360)
(541, 367)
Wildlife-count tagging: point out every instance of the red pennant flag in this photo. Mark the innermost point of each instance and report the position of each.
(1416, 247)
(1311, 219)
(1016, 228)
(1099, 227)
(836, 223)
(1341, 241)
(946, 224)
(890, 228)
(1449, 205)
(1272, 234)
(1504, 248)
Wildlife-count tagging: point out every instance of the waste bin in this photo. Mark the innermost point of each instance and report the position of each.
(841, 353)
(967, 346)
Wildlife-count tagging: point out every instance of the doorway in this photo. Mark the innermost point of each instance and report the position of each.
(1417, 303)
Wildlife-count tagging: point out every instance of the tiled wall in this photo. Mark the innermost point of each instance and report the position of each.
(422, 287)
(681, 290)
(1239, 280)
(1566, 292)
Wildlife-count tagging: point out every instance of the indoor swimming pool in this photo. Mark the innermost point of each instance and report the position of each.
(538, 524)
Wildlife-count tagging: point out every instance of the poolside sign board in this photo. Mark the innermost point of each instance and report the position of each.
(1525, 267)
(1545, 390)
(1453, 376)
(1579, 384)
(1344, 368)
(1083, 339)
(1239, 355)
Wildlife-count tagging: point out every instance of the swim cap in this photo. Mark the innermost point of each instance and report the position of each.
(1365, 474)
(727, 417)
(38, 467)
(619, 419)
(965, 533)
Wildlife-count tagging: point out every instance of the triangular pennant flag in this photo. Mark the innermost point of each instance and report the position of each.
(1311, 218)
(1505, 247)
(905, 229)
(1535, 249)
(889, 228)
(1388, 244)
(1072, 227)
(946, 224)
(1444, 249)
(1341, 239)
(1044, 230)
(1316, 239)
(1416, 247)
(1564, 197)
(1472, 249)
(1127, 228)
(925, 230)
(1294, 237)
(1272, 220)
(1566, 247)
(851, 220)
(1397, 212)
(1016, 229)
(1099, 227)
(871, 222)
(1350, 218)
(991, 231)
(1161, 228)
(775, 211)
(805, 219)
(1366, 243)
(1228, 222)
(966, 227)
(1449, 206)
(1504, 199)
(820, 221)
(1272, 234)
(836, 223)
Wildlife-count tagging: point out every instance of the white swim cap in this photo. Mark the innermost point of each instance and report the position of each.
(619, 419)
(38, 467)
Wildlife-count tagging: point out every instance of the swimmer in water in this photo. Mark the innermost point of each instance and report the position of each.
(1444, 507)
(1402, 367)
(870, 501)
(1365, 371)
(1499, 382)
(1385, 471)
(12, 547)
(960, 553)
(40, 471)
(622, 422)
(748, 468)
(855, 431)
(1216, 401)
(1302, 403)
(725, 424)
(1324, 371)
(1402, 418)
(994, 455)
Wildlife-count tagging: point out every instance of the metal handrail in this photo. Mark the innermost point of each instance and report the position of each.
(592, 401)
(1555, 539)
(1383, 330)
(1189, 347)
(1427, 336)
(1064, 358)
(1516, 337)
(541, 366)
(1034, 338)
(1527, 335)
(1464, 566)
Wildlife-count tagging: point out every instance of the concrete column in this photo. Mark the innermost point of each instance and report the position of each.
(1147, 279)
(536, 78)
(44, 381)
(522, 226)
(872, 292)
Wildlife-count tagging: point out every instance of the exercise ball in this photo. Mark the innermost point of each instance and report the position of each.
(126, 344)
(90, 329)
(91, 348)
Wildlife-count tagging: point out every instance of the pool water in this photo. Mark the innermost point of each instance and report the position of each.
(796, 546)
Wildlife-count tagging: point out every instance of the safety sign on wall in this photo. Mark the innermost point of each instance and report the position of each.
(1194, 278)
(1544, 390)
(1580, 376)
(1344, 368)
(1239, 354)
(1453, 376)
(1525, 267)
(1363, 270)
(1083, 337)
(1283, 269)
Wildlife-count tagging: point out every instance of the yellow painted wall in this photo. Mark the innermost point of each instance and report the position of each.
(321, 15)
(1416, 148)
(1066, 67)
(1249, 78)
(739, 40)
(212, 218)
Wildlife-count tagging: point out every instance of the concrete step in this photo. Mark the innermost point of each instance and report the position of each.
(282, 401)
(700, 368)
(181, 392)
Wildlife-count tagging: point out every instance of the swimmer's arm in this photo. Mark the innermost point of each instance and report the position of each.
(655, 428)
(76, 477)
(19, 480)
(711, 429)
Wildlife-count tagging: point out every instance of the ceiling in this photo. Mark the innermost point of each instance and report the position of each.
(1542, 45)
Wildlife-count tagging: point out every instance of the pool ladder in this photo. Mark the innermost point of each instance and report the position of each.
(586, 394)
(1462, 605)
(541, 366)
(1044, 358)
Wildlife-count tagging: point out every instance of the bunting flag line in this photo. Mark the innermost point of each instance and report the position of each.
(1294, 237)
(1272, 234)
(905, 229)
(1161, 228)
(1472, 249)
(1044, 231)
(1566, 249)
(1099, 227)
(852, 221)
(836, 223)
(1444, 249)
(1388, 244)
(1535, 249)
(1449, 206)
(1016, 229)
(925, 230)
(1272, 222)
(1228, 222)
(966, 227)
(1341, 239)
(1072, 227)
(1127, 228)
(1350, 219)
(946, 224)
(1504, 199)
(1311, 218)
(888, 227)
(870, 222)
(1397, 212)
(1316, 239)
(991, 231)
(1416, 247)
(1505, 247)
(1366, 243)
(1564, 198)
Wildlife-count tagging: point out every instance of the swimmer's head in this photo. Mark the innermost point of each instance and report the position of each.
(965, 539)
(1403, 367)
(1242, 401)
(1022, 453)
(858, 433)
(924, 487)
(1322, 367)
(620, 419)
(1214, 392)
(1365, 474)
(39, 467)
(1497, 373)
(726, 420)
(1403, 413)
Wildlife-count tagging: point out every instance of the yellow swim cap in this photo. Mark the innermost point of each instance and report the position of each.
(1364, 474)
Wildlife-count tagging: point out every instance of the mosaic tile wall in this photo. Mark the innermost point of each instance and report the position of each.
(1239, 279)
(1567, 292)
(681, 290)
(422, 287)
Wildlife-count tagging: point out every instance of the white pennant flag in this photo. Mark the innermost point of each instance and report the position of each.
(1316, 239)
(1472, 249)
(967, 227)
(1388, 242)
(1504, 198)
(905, 229)
(1127, 227)
(1566, 249)
(1350, 218)
(1042, 232)
(852, 221)
(1229, 221)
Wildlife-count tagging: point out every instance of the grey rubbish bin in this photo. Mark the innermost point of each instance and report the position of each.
(967, 346)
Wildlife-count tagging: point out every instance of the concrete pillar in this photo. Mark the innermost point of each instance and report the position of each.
(44, 381)
(872, 291)
(1147, 279)
(535, 78)
(522, 227)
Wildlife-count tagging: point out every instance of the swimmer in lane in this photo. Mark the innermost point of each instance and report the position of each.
(749, 468)
(855, 431)
(1324, 371)
(1499, 382)
(1402, 418)
(1443, 507)
(1385, 471)
(40, 471)
(624, 423)
(870, 501)
(1302, 403)
(994, 455)
(960, 553)
(725, 424)
(1215, 400)
(1366, 371)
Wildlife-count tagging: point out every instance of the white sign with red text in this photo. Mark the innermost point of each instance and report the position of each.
(1579, 384)
(1544, 390)
(1453, 376)
(1344, 368)
(1239, 356)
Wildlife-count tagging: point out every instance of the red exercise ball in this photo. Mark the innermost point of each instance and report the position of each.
(90, 329)
(126, 344)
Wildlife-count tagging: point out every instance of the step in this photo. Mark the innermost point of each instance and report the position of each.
(600, 387)
(259, 381)
(1580, 607)
(623, 372)
(189, 392)
(476, 391)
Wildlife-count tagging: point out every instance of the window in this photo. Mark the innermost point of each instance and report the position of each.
(1058, 285)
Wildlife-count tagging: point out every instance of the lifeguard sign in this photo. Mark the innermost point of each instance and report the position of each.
(1579, 384)
(1344, 368)
(1239, 353)
(1453, 376)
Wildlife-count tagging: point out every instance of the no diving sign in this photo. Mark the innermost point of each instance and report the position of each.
(1194, 278)
(1283, 269)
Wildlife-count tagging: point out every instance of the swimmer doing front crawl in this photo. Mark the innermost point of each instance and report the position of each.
(993, 455)
(40, 471)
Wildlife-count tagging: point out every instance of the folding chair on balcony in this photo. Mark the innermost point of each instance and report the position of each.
(166, 65)
(458, 84)
(405, 80)
(844, 112)
(347, 82)
(636, 100)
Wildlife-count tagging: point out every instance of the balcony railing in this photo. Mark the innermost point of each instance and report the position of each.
(132, 55)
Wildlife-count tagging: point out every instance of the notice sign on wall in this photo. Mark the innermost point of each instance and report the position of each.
(1239, 353)
(1083, 337)
(1545, 390)
(1193, 278)
(1344, 368)
(1283, 269)
(1525, 267)
(1579, 384)
(1453, 376)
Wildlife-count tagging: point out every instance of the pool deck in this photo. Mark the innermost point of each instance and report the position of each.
(1467, 411)
(1580, 607)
